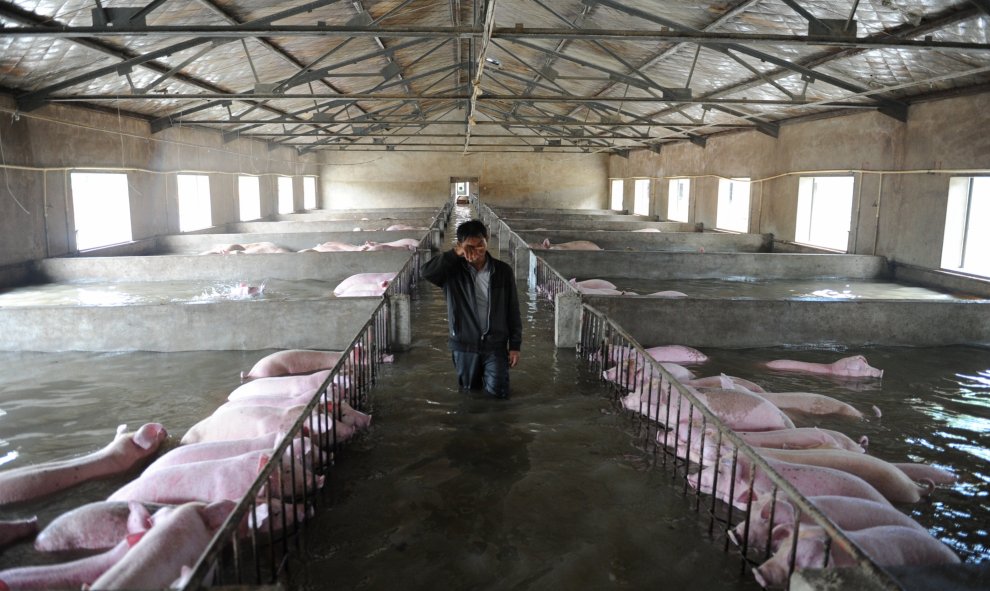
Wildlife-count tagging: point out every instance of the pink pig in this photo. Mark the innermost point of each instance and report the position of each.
(94, 526)
(211, 480)
(177, 538)
(122, 454)
(886, 545)
(68, 575)
(847, 367)
(293, 361)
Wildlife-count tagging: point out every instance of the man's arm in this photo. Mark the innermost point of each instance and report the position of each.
(438, 269)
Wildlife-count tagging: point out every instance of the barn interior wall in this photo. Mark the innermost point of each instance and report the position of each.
(422, 179)
(901, 171)
(41, 148)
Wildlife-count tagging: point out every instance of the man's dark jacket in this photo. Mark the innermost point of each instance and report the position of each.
(451, 272)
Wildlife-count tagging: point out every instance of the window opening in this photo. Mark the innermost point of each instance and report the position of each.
(966, 244)
(309, 192)
(249, 197)
(616, 194)
(641, 194)
(195, 208)
(824, 212)
(733, 205)
(677, 200)
(101, 209)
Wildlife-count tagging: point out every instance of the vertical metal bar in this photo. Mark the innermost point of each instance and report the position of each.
(792, 557)
(687, 445)
(732, 490)
(701, 463)
(715, 470)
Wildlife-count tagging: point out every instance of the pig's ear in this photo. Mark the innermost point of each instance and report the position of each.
(262, 460)
(781, 533)
(545, 243)
(216, 513)
(139, 519)
(134, 538)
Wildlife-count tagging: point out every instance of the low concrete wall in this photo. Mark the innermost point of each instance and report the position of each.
(358, 214)
(693, 265)
(328, 215)
(539, 211)
(612, 216)
(943, 280)
(331, 323)
(658, 241)
(590, 225)
(770, 323)
(197, 243)
(324, 226)
(322, 266)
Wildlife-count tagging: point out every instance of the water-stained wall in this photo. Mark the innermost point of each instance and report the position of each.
(41, 149)
(901, 172)
(422, 179)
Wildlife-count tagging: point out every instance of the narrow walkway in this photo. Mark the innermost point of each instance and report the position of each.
(542, 491)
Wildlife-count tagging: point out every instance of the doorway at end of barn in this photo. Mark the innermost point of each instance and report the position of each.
(464, 191)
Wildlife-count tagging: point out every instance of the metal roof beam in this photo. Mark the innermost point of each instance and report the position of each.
(462, 97)
(241, 31)
(892, 108)
(34, 99)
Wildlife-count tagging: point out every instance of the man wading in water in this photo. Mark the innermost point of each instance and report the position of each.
(482, 309)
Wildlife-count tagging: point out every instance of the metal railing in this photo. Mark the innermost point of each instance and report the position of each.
(242, 552)
(549, 282)
(406, 278)
(701, 450)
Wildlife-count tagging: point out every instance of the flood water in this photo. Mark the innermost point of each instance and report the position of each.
(546, 490)
(790, 289)
(129, 293)
(549, 489)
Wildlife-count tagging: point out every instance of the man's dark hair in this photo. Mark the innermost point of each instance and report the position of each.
(472, 229)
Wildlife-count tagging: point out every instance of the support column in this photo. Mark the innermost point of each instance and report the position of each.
(567, 320)
(400, 322)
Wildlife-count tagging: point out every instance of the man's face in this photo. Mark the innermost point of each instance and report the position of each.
(474, 248)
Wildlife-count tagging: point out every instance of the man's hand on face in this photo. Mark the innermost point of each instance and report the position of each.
(472, 250)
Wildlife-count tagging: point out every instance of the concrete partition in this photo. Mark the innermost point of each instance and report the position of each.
(360, 214)
(771, 323)
(330, 323)
(695, 265)
(197, 243)
(522, 212)
(322, 266)
(590, 225)
(657, 241)
(262, 227)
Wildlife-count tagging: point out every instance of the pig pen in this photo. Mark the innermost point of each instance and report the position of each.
(198, 243)
(926, 315)
(289, 321)
(817, 326)
(931, 414)
(144, 384)
(56, 404)
(705, 242)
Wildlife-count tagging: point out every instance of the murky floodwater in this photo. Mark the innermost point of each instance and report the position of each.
(128, 293)
(546, 490)
(790, 289)
(935, 406)
(60, 405)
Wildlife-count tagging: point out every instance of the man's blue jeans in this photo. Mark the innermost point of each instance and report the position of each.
(489, 370)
